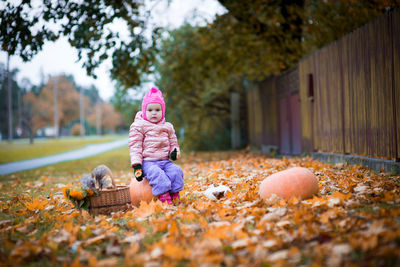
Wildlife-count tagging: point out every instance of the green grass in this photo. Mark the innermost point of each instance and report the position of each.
(117, 160)
(23, 150)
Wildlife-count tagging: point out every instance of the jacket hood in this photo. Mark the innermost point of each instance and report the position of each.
(153, 96)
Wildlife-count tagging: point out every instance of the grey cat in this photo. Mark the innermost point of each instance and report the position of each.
(88, 182)
(99, 173)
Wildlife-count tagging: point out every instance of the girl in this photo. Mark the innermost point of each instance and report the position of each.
(152, 142)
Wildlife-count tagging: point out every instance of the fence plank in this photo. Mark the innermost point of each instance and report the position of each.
(268, 93)
(328, 99)
(395, 16)
(381, 135)
(356, 83)
(255, 117)
(306, 67)
(296, 123)
(289, 112)
(250, 114)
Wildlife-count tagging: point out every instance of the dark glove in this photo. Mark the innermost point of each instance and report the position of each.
(138, 172)
(174, 154)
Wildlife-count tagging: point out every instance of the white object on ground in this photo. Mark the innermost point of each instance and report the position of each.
(215, 193)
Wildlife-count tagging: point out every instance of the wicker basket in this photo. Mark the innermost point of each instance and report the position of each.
(110, 200)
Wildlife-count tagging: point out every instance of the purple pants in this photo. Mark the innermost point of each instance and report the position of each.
(163, 175)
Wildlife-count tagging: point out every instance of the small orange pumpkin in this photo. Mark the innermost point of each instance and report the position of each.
(294, 182)
(140, 191)
(76, 194)
(64, 189)
(90, 192)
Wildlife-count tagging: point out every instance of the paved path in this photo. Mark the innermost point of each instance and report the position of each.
(85, 152)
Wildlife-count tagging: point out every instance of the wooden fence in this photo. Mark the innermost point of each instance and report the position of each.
(349, 95)
(274, 114)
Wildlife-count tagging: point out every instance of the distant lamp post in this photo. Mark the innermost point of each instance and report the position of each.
(98, 117)
(82, 114)
(9, 102)
(55, 99)
(19, 127)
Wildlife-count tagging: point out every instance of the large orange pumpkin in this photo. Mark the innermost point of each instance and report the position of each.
(294, 182)
(140, 191)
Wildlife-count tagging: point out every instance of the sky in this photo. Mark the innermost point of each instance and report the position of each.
(60, 58)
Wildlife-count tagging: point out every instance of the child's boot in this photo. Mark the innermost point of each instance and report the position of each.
(166, 197)
(175, 198)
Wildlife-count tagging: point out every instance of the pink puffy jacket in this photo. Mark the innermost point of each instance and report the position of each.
(151, 141)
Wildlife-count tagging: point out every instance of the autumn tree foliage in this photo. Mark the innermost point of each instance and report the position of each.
(68, 107)
(271, 34)
(200, 66)
(290, 30)
(197, 97)
(76, 129)
(327, 21)
(42, 106)
(25, 27)
(110, 118)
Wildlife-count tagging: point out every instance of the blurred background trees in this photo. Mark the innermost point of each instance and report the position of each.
(197, 67)
(33, 108)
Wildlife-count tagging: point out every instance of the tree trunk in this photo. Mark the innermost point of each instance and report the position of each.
(19, 127)
(55, 107)
(81, 113)
(9, 102)
(30, 136)
(27, 125)
(98, 117)
(235, 120)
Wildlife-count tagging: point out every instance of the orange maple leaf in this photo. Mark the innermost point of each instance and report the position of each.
(340, 196)
(36, 204)
(174, 252)
(146, 209)
(173, 229)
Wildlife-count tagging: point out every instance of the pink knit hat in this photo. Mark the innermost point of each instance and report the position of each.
(153, 96)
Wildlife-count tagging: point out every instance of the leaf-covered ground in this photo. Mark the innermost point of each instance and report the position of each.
(354, 220)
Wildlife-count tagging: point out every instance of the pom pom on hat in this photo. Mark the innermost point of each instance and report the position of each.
(153, 96)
